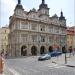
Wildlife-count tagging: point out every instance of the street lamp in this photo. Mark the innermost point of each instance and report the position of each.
(65, 49)
(65, 57)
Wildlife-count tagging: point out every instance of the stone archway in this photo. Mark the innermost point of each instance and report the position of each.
(50, 49)
(42, 50)
(23, 50)
(34, 50)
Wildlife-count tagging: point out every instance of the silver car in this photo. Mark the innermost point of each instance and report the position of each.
(44, 57)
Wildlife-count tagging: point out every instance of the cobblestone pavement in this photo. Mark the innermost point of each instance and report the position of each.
(31, 66)
(61, 59)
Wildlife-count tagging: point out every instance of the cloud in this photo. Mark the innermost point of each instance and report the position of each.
(6, 10)
(7, 7)
(67, 6)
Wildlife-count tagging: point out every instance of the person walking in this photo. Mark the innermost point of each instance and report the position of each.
(6, 54)
(70, 50)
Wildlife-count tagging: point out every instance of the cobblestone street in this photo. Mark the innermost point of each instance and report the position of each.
(31, 66)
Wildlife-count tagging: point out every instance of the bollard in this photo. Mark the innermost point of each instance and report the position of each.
(1, 65)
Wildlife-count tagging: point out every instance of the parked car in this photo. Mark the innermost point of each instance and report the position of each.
(44, 57)
(55, 53)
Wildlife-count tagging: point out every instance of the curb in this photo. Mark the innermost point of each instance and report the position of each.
(70, 66)
(64, 64)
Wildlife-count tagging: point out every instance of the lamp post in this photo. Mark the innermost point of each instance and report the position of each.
(65, 55)
(65, 49)
(60, 43)
(65, 58)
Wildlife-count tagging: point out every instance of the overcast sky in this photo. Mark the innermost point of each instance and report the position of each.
(67, 6)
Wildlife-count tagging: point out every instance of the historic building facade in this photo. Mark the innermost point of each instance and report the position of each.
(35, 32)
(71, 37)
(4, 31)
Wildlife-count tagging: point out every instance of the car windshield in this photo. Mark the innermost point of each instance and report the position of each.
(45, 55)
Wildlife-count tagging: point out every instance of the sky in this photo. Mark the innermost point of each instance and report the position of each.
(67, 6)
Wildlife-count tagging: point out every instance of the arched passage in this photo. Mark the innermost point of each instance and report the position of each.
(50, 49)
(23, 50)
(42, 50)
(34, 50)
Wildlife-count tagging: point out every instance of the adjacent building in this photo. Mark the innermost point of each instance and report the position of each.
(35, 32)
(71, 37)
(74, 37)
(4, 31)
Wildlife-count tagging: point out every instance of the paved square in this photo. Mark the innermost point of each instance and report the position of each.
(31, 66)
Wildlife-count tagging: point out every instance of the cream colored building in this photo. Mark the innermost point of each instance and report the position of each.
(35, 32)
(4, 31)
(74, 38)
(73, 28)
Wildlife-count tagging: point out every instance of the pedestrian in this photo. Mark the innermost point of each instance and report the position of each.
(6, 54)
(2, 53)
(70, 50)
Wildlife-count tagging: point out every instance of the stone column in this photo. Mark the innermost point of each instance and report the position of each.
(29, 50)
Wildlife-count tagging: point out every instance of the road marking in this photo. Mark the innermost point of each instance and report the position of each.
(55, 66)
(13, 71)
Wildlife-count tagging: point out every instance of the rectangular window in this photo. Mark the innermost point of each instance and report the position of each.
(63, 31)
(24, 37)
(42, 38)
(34, 27)
(42, 28)
(50, 29)
(34, 38)
(51, 38)
(57, 30)
(24, 25)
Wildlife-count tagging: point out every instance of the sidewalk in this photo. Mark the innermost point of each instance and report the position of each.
(61, 60)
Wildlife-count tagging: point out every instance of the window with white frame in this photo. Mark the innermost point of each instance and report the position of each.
(17, 26)
(50, 28)
(24, 37)
(24, 25)
(42, 27)
(56, 30)
(63, 31)
(51, 38)
(42, 38)
(58, 39)
(34, 27)
(34, 38)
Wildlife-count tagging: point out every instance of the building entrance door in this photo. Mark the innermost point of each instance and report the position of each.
(42, 50)
(34, 50)
(23, 50)
(50, 49)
